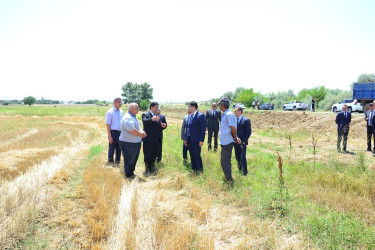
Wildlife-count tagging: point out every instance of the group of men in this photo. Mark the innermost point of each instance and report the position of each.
(125, 135)
(343, 120)
(235, 131)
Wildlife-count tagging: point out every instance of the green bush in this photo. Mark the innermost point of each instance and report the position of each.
(143, 104)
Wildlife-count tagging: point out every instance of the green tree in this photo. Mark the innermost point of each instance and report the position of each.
(134, 92)
(364, 78)
(30, 100)
(247, 96)
(236, 92)
(318, 92)
(229, 95)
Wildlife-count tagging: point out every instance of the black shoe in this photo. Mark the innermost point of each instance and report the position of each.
(368, 149)
(345, 151)
(130, 176)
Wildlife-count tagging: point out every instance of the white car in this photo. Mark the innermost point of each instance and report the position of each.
(295, 105)
(353, 105)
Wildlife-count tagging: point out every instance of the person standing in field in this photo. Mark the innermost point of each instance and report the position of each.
(194, 137)
(343, 120)
(213, 117)
(313, 104)
(153, 128)
(253, 104)
(243, 132)
(113, 120)
(183, 133)
(162, 120)
(131, 139)
(370, 132)
(228, 137)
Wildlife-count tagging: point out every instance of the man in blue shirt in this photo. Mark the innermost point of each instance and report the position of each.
(131, 139)
(228, 137)
(113, 119)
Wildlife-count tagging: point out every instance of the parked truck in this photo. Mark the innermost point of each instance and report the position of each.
(364, 93)
(295, 105)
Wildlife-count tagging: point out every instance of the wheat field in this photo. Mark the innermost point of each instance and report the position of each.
(56, 190)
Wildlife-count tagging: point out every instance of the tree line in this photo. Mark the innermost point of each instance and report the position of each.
(324, 97)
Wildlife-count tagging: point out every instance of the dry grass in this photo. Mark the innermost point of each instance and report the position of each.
(102, 188)
(44, 138)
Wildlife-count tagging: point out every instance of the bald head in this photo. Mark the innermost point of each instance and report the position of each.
(133, 108)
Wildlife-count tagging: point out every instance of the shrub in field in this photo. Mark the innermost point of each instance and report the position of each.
(144, 104)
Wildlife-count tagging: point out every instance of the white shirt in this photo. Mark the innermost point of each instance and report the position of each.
(113, 117)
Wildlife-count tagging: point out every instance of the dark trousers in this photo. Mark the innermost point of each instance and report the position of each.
(370, 135)
(115, 146)
(150, 152)
(160, 152)
(184, 151)
(342, 133)
(211, 131)
(195, 156)
(240, 151)
(226, 158)
(130, 151)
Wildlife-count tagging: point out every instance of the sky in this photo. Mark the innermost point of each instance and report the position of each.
(186, 49)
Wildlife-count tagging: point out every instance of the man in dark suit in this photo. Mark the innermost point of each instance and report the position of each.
(370, 131)
(162, 120)
(243, 132)
(194, 137)
(343, 120)
(153, 128)
(213, 117)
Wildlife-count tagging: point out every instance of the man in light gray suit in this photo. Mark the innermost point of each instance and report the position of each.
(183, 132)
(370, 133)
(213, 117)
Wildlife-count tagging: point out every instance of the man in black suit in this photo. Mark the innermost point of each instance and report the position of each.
(213, 117)
(194, 137)
(162, 120)
(370, 132)
(343, 120)
(243, 132)
(153, 128)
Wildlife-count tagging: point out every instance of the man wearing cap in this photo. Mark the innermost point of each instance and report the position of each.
(343, 120)
(194, 137)
(370, 132)
(113, 120)
(213, 117)
(228, 137)
(243, 132)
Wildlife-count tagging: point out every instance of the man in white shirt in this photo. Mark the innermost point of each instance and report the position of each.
(113, 120)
